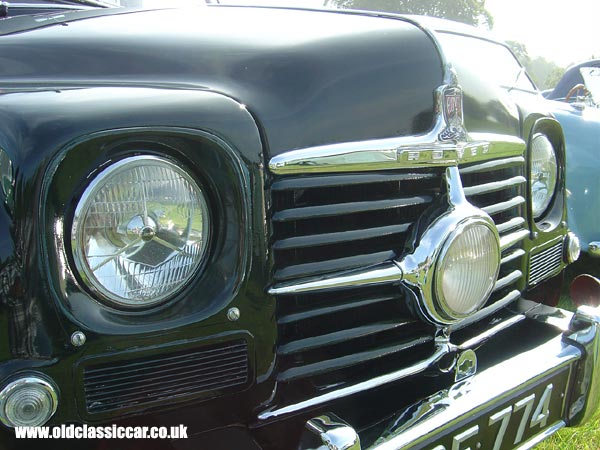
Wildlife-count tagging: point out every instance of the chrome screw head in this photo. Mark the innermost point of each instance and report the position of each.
(78, 339)
(233, 314)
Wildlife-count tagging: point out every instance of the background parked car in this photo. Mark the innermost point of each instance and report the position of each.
(575, 103)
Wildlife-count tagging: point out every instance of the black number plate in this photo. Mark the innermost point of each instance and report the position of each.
(511, 423)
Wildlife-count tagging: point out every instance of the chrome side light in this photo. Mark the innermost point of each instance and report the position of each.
(572, 248)
(544, 174)
(27, 402)
(140, 231)
(467, 268)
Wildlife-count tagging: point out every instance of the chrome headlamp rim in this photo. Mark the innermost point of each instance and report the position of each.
(83, 205)
(540, 212)
(14, 385)
(442, 307)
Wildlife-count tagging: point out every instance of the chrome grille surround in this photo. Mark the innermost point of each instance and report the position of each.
(328, 336)
(357, 313)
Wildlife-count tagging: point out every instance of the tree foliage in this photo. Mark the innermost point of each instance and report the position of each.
(546, 74)
(472, 12)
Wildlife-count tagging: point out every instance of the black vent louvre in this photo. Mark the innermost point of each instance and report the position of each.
(142, 382)
(546, 263)
(498, 187)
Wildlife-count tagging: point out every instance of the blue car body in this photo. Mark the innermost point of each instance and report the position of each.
(581, 127)
(580, 121)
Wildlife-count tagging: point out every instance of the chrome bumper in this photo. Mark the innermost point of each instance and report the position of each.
(574, 354)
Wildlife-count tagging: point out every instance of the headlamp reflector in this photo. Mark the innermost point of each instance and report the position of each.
(544, 174)
(140, 231)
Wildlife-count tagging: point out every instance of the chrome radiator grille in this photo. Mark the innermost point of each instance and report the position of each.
(325, 224)
(329, 223)
(498, 187)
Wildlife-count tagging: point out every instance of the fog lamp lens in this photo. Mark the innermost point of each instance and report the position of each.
(467, 269)
(27, 402)
(140, 231)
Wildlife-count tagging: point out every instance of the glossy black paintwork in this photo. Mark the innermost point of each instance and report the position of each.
(304, 88)
(220, 90)
(55, 141)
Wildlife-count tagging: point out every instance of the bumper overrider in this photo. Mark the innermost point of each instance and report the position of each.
(515, 403)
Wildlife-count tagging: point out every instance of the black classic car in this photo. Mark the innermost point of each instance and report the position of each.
(282, 229)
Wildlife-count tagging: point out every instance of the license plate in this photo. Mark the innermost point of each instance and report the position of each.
(510, 423)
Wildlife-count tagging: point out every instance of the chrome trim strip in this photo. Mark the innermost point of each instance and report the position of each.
(512, 223)
(494, 186)
(490, 332)
(395, 153)
(441, 350)
(531, 443)
(511, 239)
(407, 152)
(512, 256)
(382, 274)
(484, 312)
(507, 280)
(493, 165)
(338, 209)
(504, 206)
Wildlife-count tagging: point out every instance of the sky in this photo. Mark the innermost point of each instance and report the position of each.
(563, 31)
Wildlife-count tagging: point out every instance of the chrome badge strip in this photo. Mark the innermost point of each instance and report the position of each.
(447, 144)
(395, 153)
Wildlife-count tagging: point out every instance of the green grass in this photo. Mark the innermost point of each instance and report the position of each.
(586, 437)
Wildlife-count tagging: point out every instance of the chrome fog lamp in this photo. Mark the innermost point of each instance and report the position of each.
(27, 402)
(467, 268)
(140, 231)
(544, 174)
